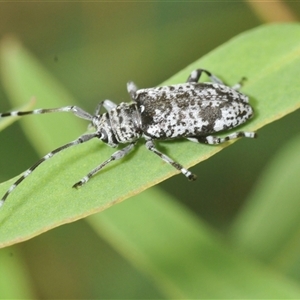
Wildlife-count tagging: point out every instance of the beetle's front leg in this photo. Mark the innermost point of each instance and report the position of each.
(131, 89)
(107, 104)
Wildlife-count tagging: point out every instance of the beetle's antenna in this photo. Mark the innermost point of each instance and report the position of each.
(77, 111)
(82, 139)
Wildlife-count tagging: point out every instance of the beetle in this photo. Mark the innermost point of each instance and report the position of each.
(191, 110)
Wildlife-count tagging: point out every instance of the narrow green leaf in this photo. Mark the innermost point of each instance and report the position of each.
(184, 258)
(14, 280)
(46, 197)
(268, 227)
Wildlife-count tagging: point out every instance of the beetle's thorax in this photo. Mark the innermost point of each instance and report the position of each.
(122, 124)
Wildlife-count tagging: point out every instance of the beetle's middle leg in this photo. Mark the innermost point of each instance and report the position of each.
(151, 146)
(196, 74)
(215, 140)
(115, 156)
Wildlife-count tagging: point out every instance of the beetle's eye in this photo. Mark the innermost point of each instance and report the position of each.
(104, 136)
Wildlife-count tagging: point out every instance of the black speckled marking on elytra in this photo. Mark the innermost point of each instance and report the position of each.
(190, 110)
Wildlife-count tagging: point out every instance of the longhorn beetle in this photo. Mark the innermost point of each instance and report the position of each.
(190, 110)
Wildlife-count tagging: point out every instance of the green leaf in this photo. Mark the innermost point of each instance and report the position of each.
(185, 259)
(46, 197)
(14, 280)
(268, 227)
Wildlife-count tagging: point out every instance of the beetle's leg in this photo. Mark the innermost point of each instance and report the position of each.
(132, 88)
(196, 74)
(115, 156)
(96, 113)
(150, 146)
(214, 140)
(98, 108)
(108, 105)
(238, 85)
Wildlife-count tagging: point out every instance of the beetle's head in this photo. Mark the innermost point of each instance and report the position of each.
(103, 127)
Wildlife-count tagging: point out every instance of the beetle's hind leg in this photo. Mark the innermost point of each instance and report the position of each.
(215, 140)
(196, 74)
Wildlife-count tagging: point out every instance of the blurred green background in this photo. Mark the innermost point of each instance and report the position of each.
(93, 49)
